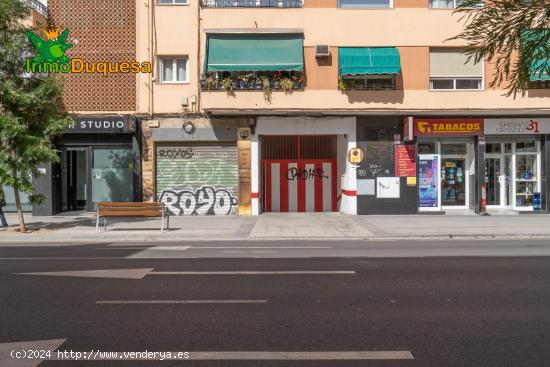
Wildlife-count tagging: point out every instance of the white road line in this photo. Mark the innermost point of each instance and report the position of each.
(318, 355)
(289, 272)
(184, 301)
(257, 247)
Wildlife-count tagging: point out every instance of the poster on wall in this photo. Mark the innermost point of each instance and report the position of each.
(427, 182)
(387, 187)
(405, 160)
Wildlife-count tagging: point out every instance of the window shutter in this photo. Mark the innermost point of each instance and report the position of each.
(451, 63)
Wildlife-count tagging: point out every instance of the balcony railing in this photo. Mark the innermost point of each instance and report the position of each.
(253, 3)
(217, 84)
(36, 5)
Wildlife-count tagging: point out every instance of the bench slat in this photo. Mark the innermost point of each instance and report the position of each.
(127, 204)
(131, 209)
(119, 213)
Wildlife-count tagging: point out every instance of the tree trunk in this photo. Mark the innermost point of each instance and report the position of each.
(22, 227)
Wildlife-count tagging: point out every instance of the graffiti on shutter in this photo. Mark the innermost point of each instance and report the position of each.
(198, 180)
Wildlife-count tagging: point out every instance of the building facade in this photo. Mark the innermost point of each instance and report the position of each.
(253, 106)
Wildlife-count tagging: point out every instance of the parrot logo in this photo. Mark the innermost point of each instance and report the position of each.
(52, 49)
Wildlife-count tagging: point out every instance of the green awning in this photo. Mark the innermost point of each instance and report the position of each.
(537, 41)
(254, 52)
(368, 60)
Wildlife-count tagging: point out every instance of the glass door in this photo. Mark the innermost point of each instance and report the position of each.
(429, 188)
(454, 175)
(526, 173)
(493, 177)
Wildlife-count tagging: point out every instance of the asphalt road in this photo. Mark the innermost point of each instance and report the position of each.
(443, 311)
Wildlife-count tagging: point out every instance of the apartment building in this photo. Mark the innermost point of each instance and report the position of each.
(252, 106)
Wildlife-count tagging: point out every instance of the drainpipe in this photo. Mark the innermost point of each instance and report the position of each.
(199, 5)
(151, 56)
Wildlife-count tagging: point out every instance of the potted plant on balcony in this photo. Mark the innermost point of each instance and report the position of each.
(298, 79)
(209, 82)
(266, 87)
(287, 85)
(227, 84)
(342, 87)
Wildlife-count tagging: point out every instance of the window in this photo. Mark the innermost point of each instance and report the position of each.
(174, 70)
(369, 82)
(539, 84)
(451, 70)
(173, 2)
(365, 3)
(444, 4)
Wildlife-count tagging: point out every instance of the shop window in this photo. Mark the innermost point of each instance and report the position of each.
(507, 147)
(365, 3)
(380, 143)
(450, 69)
(454, 149)
(173, 2)
(427, 147)
(492, 148)
(369, 82)
(174, 70)
(526, 146)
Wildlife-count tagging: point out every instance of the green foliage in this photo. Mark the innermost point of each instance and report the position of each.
(502, 32)
(31, 111)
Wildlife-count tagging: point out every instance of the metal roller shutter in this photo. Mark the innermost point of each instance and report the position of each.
(197, 180)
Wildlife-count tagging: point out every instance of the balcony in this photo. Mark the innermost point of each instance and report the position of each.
(36, 5)
(266, 81)
(253, 3)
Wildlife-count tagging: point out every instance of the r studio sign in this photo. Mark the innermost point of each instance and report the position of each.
(104, 124)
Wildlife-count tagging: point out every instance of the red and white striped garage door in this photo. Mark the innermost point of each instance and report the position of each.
(300, 185)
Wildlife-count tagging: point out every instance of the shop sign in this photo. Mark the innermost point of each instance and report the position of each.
(517, 126)
(448, 127)
(103, 124)
(427, 183)
(356, 155)
(405, 160)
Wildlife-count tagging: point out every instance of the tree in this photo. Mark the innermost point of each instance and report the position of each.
(31, 111)
(513, 34)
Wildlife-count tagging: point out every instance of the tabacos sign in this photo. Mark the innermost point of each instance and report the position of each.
(52, 46)
(517, 126)
(448, 127)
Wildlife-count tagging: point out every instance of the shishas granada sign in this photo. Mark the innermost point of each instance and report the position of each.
(517, 126)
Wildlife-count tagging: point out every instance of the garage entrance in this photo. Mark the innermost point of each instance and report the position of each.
(299, 173)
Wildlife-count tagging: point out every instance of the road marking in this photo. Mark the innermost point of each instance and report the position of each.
(258, 247)
(168, 248)
(289, 272)
(103, 273)
(140, 273)
(318, 355)
(185, 301)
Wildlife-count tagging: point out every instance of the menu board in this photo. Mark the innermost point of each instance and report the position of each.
(405, 160)
(427, 182)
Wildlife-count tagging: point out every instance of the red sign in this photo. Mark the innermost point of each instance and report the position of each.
(448, 127)
(405, 160)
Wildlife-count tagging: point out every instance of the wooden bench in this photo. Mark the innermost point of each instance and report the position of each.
(113, 210)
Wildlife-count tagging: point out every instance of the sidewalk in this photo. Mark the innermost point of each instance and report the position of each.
(278, 226)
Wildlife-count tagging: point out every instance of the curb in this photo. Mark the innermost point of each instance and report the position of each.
(144, 239)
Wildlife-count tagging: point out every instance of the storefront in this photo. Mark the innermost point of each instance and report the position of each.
(514, 152)
(197, 171)
(99, 161)
(446, 162)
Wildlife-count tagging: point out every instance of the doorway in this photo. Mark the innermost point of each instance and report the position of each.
(498, 170)
(73, 179)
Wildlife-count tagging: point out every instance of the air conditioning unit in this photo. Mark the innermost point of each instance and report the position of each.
(322, 51)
